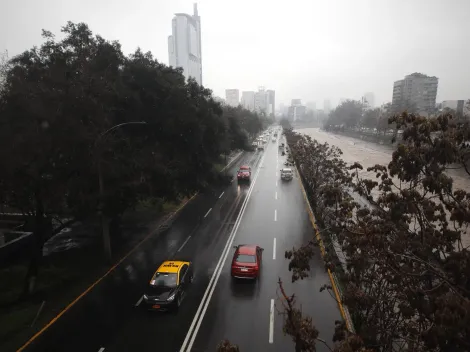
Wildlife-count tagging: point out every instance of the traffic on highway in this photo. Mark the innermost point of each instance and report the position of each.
(212, 276)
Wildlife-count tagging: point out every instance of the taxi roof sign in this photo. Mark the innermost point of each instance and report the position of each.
(171, 266)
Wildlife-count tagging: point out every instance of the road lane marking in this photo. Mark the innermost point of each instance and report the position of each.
(275, 197)
(275, 215)
(184, 244)
(271, 322)
(101, 349)
(139, 301)
(276, 173)
(201, 311)
(93, 285)
(276, 183)
(274, 249)
(208, 212)
(221, 194)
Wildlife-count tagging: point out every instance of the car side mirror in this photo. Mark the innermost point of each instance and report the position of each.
(235, 247)
(262, 249)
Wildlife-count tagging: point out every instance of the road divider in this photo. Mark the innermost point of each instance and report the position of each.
(343, 310)
(201, 311)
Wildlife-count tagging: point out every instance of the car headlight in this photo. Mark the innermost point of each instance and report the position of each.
(171, 298)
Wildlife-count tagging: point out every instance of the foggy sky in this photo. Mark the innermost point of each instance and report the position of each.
(308, 49)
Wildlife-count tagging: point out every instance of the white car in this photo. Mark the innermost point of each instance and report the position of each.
(287, 174)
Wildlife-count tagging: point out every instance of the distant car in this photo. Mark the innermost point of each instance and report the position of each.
(287, 174)
(168, 285)
(246, 262)
(244, 173)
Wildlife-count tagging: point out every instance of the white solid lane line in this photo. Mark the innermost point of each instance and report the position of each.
(138, 303)
(275, 197)
(274, 249)
(201, 311)
(221, 194)
(184, 244)
(208, 212)
(275, 215)
(271, 322)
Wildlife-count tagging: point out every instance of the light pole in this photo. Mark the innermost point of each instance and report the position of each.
(104, 219)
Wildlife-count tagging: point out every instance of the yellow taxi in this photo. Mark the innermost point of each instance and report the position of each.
(168, 285)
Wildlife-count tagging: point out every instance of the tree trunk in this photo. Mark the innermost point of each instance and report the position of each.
(41, 228)
(115, 226)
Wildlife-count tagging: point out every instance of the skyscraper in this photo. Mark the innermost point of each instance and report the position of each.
(370, 99)
(184, 45)
(248, 100)
(327, 106)
(271, 106)
(232, 97)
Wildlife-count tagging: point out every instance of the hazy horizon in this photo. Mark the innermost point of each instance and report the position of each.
(308, 50)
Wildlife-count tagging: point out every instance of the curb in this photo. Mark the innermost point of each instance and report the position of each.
(84, 293)
(235, 158)
(333, 279)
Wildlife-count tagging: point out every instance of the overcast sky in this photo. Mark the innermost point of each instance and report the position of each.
(308, 49)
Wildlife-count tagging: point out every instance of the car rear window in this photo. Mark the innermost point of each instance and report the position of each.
(245, 258)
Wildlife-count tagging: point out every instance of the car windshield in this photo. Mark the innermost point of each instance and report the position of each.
(244, 170)
(164, 280)
(245, 258)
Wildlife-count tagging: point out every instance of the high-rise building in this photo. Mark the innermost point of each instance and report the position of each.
(415, 92)
(261, 101)
(311, 105)
(369, 98)
(327, 106)
(248, 100)
(232, 97)
(184, 45)
(271, 103)
(296, 110)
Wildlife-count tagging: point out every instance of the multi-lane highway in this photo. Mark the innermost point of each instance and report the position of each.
(266, 212)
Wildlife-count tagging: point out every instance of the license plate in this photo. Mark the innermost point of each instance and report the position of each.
(156, 306)
(244, 269)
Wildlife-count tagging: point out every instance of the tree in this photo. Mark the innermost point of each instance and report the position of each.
(406, 271)
(371, 118)
(60, 99)
(348, 113)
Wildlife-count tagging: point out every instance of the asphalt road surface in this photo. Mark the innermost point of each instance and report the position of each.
(269, 213)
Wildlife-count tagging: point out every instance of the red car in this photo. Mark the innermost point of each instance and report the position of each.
(246, 263)
(244, 173)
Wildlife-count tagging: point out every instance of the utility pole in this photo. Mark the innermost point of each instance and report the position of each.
(104, 218)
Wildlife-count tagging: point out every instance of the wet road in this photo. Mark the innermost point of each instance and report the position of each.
(269, 213)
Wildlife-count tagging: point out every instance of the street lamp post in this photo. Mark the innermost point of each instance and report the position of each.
(104, 218)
